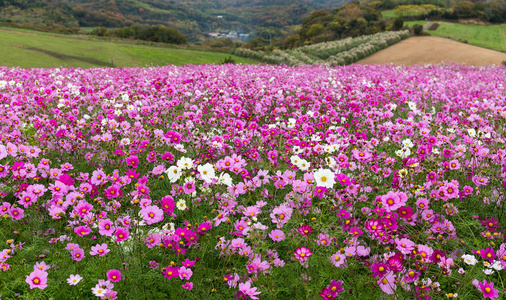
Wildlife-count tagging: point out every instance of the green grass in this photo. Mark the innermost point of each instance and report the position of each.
(79, 51)
(389, 14)
(490, 36)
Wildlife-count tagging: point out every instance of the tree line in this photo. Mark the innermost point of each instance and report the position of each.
(155, 33)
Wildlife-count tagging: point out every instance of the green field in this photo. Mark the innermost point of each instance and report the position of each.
(27, 48)
(490, 36)
(389, 14)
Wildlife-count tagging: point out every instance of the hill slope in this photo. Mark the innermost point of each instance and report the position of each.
(26, 48)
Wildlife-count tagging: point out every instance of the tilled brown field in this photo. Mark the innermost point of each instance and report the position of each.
(433, 50)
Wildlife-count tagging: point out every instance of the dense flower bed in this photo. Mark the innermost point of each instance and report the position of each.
(253, 182)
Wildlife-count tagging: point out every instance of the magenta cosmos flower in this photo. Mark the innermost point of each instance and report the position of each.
(121, 234)
(37, 279)
(302, 254)
(114, 275)
(488, 289)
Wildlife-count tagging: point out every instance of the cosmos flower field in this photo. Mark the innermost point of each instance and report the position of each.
(253, 182)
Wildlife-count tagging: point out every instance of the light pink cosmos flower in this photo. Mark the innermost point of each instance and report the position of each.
(185, 273)
(338, 259)
(77, 254)
(246, 289)
(152, 214)
(404, 245)
(99, 249)
(252, 211)
(387, 283)
(41, 266)
(105, 227)
(393, 200)
(37, 279)
(74, 279)
(277, 235)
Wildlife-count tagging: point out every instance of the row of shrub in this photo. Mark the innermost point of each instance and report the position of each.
(340, 52)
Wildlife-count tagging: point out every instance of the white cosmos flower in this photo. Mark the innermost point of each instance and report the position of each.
(225, 179)
(295, 159)
(174, 173)
(407, 143)
(497, 265)
(207, 172)
(325, 178)
(184, 163)
(181, 204)
(469, 259)
(471, 132)
(488, 271)
(304, 165)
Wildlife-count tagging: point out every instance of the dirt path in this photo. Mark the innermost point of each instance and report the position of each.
(434, 50)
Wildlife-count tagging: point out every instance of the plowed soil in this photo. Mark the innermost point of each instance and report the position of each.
(434, 50)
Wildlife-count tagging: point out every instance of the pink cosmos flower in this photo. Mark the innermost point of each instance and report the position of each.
(98, 177)
(37, 279)
(281, 215)
(82, 230)
(17, 213)
(338, 259)
(379, 269)
(83, 208)
(171, 272)
(305, 230)
(188, 285)
(168, 205)
(114, 275)
(387, 283)
(77, 254)
(99, 249)
(252, 211)
(343, 179)
(393, 200)
(185, 273)
(246, 289)
(152, 214)
(404, 245)
(105, 227)
(132, 161)
(277, 235)
(189, 187)
(41, 266)
(121, 234)
(302, 254)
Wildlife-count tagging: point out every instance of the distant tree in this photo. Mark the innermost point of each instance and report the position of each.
(398, 23)
(464, 9)
(256, 44)
(100, 31)
(315, 30)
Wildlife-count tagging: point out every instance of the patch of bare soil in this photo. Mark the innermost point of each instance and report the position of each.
(434, 50)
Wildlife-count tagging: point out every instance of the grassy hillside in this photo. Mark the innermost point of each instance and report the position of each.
(26, 48)
(490, 36)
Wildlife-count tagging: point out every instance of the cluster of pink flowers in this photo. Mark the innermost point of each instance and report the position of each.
(396, 171)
